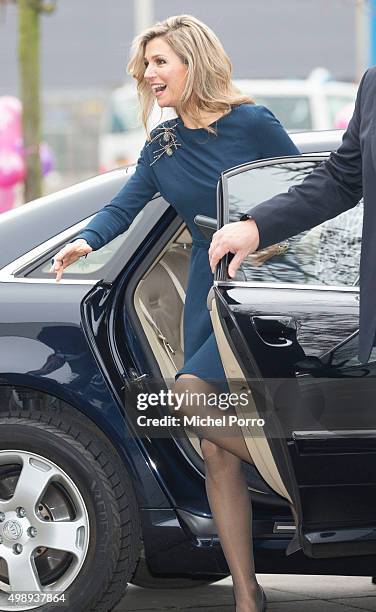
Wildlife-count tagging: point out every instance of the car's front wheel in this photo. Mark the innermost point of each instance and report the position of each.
(69, 524)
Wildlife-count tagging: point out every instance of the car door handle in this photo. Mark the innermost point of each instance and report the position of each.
(275, 331)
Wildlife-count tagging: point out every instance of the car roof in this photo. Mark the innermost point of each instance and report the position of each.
(317, 142)
(27, 226)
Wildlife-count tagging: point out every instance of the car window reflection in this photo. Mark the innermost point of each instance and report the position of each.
(328, 254)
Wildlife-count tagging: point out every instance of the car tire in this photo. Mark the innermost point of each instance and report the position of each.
(89, 468)
(145, 579)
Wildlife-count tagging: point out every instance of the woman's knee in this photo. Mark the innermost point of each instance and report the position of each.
(218, 460)
(210, 449)
(193, 392)
(188, 382)
(213, 453)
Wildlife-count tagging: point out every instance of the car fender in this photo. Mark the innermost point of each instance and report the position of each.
(33, 362)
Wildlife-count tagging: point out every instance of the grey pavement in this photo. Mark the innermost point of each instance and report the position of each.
(285, 593)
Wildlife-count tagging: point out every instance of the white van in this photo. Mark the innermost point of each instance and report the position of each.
(315, 103)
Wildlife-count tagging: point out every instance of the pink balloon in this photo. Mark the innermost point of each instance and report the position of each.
(10, 121)
(45, 153)
(46, 158)
(12, 169)
(7, 198)
(18, 146)
(12, 103)
(12, 165)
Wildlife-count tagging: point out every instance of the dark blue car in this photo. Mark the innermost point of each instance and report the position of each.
(90, 500)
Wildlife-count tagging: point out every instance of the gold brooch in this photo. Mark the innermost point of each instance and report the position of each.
(167, 139)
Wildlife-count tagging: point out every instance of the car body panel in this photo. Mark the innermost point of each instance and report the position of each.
(49, 353)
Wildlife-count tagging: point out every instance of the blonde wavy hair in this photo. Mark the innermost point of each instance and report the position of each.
(208, 85)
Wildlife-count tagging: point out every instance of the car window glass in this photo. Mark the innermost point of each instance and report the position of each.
(94, 263)
(292, 111)
(327, 254)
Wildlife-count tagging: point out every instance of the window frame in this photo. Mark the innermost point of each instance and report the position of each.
(19, 270)
(221, 276)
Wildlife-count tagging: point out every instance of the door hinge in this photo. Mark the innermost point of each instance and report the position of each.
(131, 379)
(135, 377)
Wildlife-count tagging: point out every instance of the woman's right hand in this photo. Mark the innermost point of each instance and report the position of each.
(68, 255)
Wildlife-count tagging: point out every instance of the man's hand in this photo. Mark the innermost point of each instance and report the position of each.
(240, 238)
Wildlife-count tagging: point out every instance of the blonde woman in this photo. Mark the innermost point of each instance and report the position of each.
(180, 63)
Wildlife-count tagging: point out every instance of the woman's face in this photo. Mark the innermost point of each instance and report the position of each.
(165, 72)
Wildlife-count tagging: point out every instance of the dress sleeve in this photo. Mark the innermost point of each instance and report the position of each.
(273, 140)
(115, 218)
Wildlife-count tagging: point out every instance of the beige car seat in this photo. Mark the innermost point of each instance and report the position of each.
(159, 302)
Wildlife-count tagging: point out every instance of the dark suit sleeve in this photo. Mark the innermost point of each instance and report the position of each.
(332, 188)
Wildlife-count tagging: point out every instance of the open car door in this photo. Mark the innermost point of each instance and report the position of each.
(286, 329)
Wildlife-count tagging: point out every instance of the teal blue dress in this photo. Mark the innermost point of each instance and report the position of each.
(184, 166)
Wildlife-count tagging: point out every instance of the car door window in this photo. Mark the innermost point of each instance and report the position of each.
(97, 262)
(86, 267)
(89, 266)
(328, 254)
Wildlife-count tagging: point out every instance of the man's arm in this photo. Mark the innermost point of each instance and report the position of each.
(335, 186)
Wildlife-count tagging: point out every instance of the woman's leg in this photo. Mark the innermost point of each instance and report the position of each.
(227, 493)
(227, 437)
